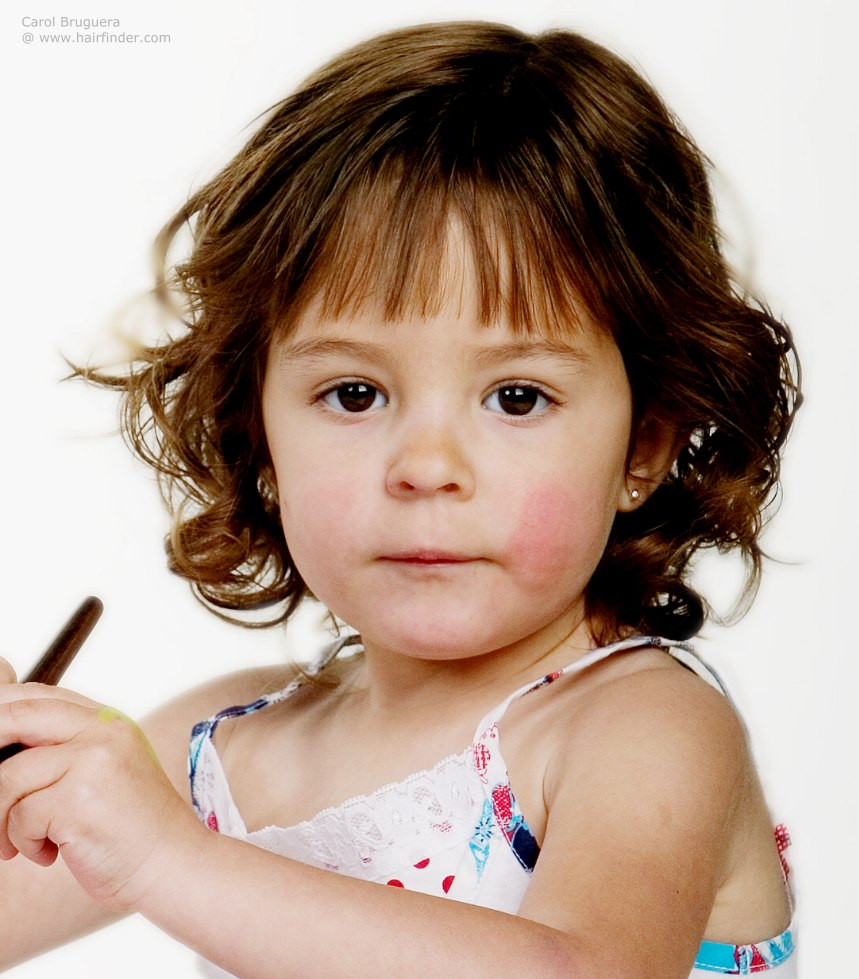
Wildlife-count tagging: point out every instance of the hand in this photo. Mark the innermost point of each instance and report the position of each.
(90, 788)
(7, 674)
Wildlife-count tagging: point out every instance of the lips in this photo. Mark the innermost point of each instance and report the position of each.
(434, 558)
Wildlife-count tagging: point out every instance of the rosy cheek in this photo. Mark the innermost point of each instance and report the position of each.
(557, 534)
(317, 521)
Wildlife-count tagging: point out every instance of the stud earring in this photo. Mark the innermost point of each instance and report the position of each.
(634, 494)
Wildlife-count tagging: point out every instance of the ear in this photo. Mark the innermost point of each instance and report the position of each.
(654, 449)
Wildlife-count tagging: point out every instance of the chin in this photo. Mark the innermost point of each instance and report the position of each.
(430, 639)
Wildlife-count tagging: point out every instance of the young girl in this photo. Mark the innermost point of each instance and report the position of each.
(460, 358)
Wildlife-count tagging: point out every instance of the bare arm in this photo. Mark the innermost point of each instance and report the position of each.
(641, 796)
(640, 818)
(40, 908)
(643, 801)
(44, 907)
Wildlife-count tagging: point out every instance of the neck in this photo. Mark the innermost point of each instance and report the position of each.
(398, 681)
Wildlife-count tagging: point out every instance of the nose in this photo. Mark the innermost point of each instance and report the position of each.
(428, 461)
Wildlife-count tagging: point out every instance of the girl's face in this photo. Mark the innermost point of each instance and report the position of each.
(447, 488)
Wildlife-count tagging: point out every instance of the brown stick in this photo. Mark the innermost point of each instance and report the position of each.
(64, 648)
(60, 653)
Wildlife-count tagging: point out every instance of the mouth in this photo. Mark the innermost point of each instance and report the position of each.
(428, 558)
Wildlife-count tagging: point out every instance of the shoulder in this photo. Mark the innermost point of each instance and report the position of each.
(647, 713)
(638, 723)
(651, 762)
(646, 775)
(169, 727)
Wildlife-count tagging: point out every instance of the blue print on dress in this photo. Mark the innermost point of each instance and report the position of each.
(205, 731)
(481, 838)
(514, 826)
(744, 960)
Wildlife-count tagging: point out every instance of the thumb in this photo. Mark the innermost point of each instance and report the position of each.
(7, 674)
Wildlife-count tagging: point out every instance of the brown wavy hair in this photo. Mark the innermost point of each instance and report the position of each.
(575, 188)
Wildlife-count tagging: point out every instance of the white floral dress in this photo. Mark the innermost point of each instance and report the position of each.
(454, 830)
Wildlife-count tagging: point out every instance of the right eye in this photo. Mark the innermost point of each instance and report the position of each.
(354, 397)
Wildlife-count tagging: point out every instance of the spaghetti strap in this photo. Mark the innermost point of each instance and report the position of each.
(681, 651)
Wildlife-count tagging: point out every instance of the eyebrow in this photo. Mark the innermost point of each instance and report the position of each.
(319, 348)
(528, 350)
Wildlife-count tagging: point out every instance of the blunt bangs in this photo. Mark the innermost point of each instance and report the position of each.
(472, 159)
(405, 241)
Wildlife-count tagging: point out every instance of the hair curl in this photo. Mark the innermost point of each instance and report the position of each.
(575, 188)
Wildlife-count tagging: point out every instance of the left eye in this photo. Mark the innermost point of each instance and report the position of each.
(354, 397)
(516, 399)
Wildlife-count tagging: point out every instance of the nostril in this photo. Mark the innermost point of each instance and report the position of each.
(427, 465)
(404, 486)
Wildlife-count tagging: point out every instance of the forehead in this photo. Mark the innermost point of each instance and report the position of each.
(452, 331)
(398, 252)
(458, 327)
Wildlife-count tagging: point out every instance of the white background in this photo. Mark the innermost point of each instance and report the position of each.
(103, 142)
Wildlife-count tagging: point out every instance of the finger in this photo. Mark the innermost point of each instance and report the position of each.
(45, 854)
(7, 674)
(42, 721)
(29, 829)
(24, 784)
(39, 691)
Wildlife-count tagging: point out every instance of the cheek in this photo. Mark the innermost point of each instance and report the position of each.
(558, 535)
(319, 518)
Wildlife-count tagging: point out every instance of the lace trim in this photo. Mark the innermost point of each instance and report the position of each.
(424, 803)
(398, 824)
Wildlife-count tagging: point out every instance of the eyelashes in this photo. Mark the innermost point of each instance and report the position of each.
(513, 399)
(354, 397)
(517, 400)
